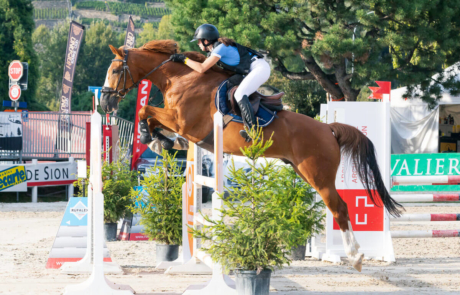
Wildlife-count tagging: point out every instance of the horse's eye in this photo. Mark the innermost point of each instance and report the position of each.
(116, 71)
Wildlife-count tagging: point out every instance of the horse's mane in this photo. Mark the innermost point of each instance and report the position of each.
(161, 46)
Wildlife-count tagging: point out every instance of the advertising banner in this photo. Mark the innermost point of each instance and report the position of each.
(13, 178)
(130, 39)
(370, 222)
(70, 242)
(10, 131)
(51, 174)
(143, 92)
(444, 164)
(16, 178)
(71, 55)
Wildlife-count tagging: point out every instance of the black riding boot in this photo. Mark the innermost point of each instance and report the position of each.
(166, 143)
(247, 113)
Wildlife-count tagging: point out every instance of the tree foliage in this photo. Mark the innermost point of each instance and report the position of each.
(161, 207)
(344, 45)
(16, 17)
(268, 213)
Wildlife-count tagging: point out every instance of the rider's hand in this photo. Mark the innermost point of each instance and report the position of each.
(178, 57)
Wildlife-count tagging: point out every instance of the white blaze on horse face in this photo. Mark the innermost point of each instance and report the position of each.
(351, 248)
(106, 83)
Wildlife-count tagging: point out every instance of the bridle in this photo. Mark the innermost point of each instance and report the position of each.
(125, 69)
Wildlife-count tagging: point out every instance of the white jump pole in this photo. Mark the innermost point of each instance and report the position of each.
(97, 283)
(426, 180)
(425, 234)
(219, 284)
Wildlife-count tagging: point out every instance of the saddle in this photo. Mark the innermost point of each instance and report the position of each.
(270, 102)
(265, 106)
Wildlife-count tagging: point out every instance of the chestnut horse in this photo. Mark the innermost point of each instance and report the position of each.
(311, 147)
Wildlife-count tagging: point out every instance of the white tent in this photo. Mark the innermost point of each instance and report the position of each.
(415, 127)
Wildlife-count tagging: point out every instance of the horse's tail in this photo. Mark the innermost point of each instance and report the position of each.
(356, 145)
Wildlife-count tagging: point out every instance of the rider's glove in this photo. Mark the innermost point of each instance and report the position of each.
(178, 57)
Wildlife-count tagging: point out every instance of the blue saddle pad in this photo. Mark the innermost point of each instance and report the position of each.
(265, 117)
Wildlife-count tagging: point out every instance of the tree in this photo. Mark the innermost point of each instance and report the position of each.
(303, 96)
(93, 61)
(50, 46)
(16, 17)
(344, 45)
(165, 31)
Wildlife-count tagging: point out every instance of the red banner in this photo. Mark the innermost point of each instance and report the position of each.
(364, 215)
(143, 92)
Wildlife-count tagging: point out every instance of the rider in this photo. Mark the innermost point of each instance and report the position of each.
(234, 57)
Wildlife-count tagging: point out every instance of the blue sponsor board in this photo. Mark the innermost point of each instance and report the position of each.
(76, 213)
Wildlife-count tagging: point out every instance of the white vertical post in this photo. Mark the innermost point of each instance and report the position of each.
(386, 175)
(34, 188)
(219, 284)
(97, 283)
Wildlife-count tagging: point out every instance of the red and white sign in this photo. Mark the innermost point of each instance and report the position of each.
(15, 70)
(369, 221)
(364, 215)
(15, 92)
(143, 93)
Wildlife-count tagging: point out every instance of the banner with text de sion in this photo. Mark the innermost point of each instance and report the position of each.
(370, 222)
(143, 93)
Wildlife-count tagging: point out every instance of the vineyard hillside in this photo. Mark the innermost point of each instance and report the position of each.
(111, 12)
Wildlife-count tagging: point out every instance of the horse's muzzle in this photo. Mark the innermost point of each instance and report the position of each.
(109, 102)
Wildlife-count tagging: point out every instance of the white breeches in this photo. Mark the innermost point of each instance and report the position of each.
(258, 75)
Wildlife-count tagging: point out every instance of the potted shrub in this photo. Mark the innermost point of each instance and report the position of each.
(117, 181)
(308, 213)
(161, 206)
(255, 234)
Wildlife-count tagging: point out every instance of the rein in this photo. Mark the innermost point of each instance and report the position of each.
(126, 69)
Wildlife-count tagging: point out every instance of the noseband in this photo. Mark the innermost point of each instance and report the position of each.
(125, 68)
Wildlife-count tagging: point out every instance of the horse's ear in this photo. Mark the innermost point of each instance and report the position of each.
(115, 51)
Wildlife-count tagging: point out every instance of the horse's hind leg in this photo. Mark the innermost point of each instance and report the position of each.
(323, 180)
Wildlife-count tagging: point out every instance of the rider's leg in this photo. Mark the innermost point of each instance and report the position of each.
(259, 74)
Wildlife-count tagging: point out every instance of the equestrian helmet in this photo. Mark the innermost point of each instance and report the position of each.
(206, 31)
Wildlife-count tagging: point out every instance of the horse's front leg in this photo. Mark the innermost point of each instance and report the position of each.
(159, 117)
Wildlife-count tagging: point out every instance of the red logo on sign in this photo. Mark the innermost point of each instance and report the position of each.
(15, 70)
(364, 215)
(15, 92)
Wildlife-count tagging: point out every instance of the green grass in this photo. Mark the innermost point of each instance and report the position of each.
(118, 8)
(137, 24)
(50, 13)
(96, 5)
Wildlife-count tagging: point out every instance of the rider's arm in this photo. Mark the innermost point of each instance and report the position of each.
(202, 67)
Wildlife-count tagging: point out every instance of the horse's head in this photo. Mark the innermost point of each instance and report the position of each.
(118, 82)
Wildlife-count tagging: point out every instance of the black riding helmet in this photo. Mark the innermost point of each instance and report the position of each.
(206, 31)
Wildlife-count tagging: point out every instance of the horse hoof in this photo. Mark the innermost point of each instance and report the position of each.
(167, 144)
(155, 146)
(180, 144)
(357, 261)
(145, 138)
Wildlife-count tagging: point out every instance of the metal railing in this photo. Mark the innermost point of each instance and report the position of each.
(57, 136)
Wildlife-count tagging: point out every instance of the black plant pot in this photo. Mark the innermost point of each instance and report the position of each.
(298, 253)
(167, 252)
(110, 231)
(249, 283)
